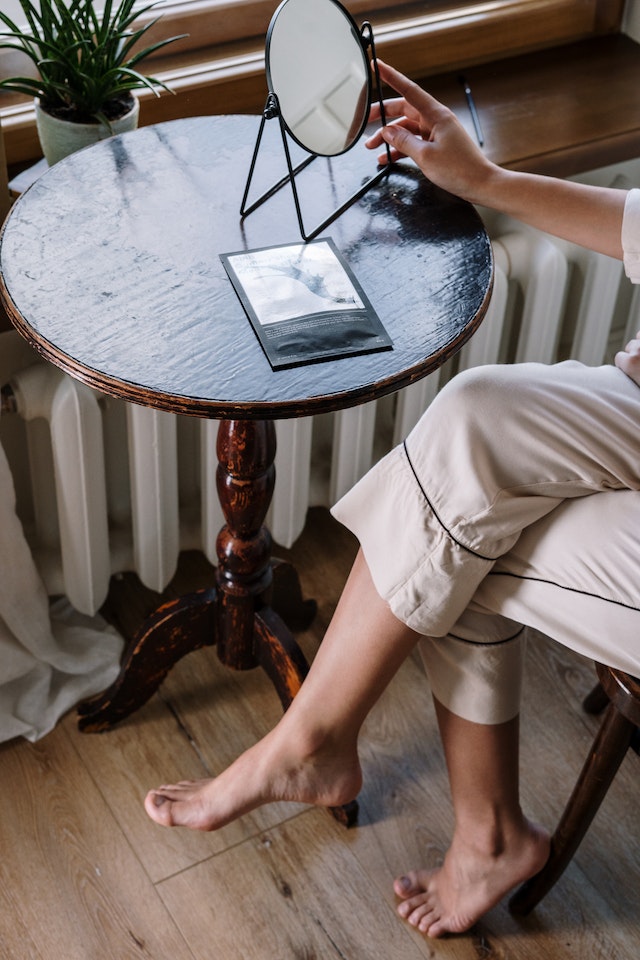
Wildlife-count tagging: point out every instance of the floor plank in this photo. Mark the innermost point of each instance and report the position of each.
(293, 892)
(71, 886)
(594, 908)
(205, 717)
(84, 875)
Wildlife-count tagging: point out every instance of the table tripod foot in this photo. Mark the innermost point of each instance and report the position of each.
(279, 655)
(347, 814)
(287, 599)
(284, 663)
(173, 630)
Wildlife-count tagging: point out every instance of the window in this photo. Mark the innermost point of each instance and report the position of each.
(479, 29)
(219, 68)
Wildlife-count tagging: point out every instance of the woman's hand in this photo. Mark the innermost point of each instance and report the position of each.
(428, 132)
(432, 136)
(628, 360)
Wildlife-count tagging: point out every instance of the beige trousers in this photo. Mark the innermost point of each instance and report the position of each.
(514, 501)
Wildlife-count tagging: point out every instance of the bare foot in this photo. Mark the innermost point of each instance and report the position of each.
(470, 881)
(279, 767)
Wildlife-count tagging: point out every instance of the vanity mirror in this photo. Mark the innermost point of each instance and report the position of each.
(319, 76)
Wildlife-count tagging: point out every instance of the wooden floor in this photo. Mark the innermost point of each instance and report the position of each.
(84, 875)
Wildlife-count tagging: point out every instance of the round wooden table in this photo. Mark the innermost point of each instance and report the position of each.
(110, 269)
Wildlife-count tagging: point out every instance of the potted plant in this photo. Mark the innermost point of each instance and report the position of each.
(86, 68)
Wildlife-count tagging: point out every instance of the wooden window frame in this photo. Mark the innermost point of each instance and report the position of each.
(219, 68)
(476, 29)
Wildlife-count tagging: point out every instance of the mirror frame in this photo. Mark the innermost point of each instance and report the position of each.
(272, 111)
(358, 36)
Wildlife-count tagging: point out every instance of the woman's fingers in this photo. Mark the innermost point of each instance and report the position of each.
(378, 137)
(393, 108)
(427, 107)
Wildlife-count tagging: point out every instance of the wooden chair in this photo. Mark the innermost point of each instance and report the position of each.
(620, 692)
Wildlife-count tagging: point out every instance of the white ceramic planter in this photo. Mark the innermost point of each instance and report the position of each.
(59, 138)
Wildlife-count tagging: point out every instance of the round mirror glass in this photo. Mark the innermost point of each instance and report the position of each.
(317, 68)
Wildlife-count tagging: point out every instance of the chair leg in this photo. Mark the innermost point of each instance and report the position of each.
(596, 700)
(607, 752)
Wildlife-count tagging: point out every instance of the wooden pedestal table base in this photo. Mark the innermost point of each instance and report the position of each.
(237, 614)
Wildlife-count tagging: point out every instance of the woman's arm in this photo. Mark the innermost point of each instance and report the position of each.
(431, 135)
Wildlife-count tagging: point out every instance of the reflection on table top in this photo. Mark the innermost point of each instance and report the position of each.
(111, 269)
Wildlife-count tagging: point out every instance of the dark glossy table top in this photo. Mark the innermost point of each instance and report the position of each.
(111, 268)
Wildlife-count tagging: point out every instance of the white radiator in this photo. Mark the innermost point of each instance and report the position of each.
(104, 486)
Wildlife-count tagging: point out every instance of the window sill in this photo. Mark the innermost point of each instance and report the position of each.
(560, 111)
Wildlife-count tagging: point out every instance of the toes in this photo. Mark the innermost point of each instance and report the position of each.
(418, 913)
(403, 887)
(428, 925)
(158, 807)
(418, 906)
(434, 929)
(176, 789)
(407, 907)
(428, 918)
(408, 885)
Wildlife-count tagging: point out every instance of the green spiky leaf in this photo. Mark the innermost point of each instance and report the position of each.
(83, 59)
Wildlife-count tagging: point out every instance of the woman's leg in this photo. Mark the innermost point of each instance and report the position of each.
(494, 846)
(311, 755)
(499, 449)
(574, 576)
(497, 453)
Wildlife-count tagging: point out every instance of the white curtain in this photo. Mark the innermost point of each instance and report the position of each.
(50, 656)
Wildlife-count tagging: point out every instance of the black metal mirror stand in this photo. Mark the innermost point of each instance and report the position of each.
(272, 111)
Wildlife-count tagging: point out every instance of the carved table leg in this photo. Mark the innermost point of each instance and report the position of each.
(247, 576)
(246, 473)
(173, 630)
(245, 479)
(236, 614)
(245, 482)
(250, 633)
